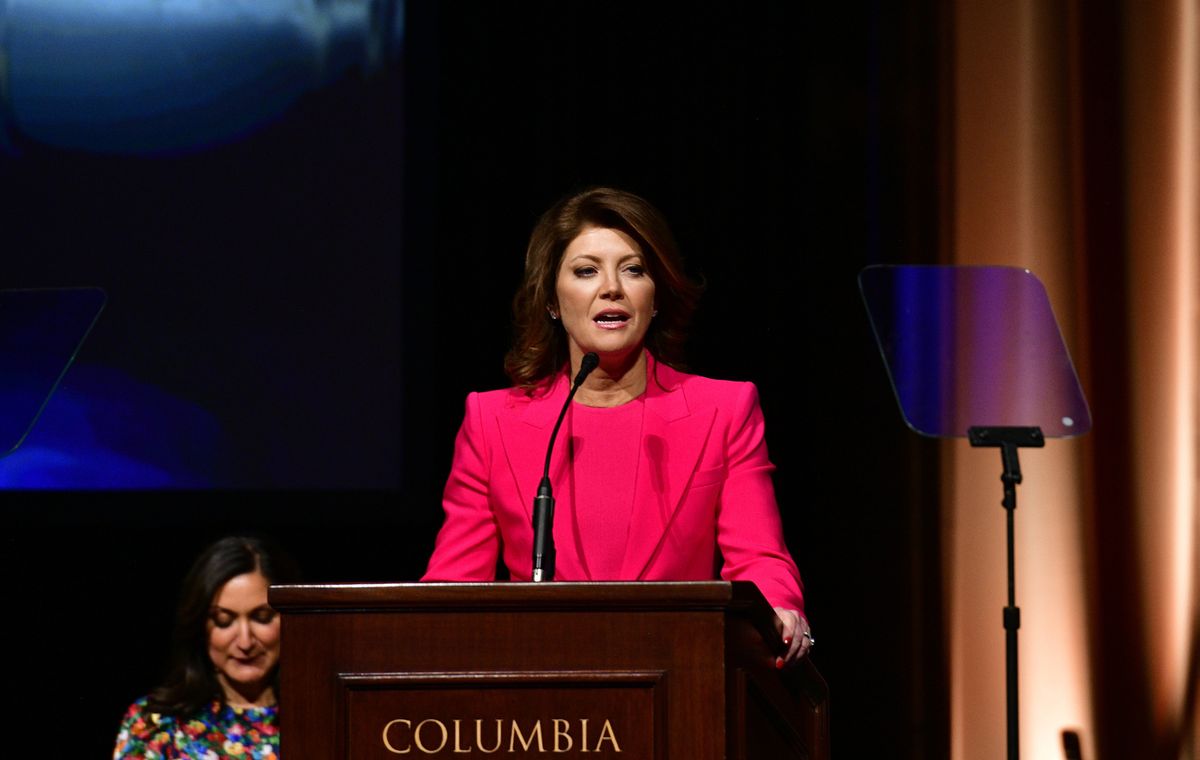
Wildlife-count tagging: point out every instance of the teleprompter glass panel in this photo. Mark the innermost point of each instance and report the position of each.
(40, 333)
(973, 346)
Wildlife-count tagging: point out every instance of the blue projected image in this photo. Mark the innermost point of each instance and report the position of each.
(230, 173)
(159, 76)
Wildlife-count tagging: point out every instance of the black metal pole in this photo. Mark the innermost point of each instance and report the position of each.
(1012, 613)
(1008, 440)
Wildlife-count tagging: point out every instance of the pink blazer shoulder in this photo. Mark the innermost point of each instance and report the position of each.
(704, 501)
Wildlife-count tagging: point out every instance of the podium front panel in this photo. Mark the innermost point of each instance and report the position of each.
(593, 671)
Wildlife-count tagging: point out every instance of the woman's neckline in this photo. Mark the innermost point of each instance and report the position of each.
(631, 382)
(640, 398)
(245, 708)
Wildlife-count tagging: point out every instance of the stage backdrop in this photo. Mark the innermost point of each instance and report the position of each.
(300, 301)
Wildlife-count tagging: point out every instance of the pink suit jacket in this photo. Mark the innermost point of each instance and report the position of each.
(703, 502)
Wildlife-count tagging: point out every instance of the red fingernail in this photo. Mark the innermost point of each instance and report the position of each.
(787, 640)
(779, 663)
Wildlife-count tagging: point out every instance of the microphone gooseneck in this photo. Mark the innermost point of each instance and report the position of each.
(543, 503)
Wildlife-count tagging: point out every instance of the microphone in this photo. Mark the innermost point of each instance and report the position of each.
(543, 503)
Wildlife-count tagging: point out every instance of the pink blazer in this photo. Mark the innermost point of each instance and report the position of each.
(703, 487)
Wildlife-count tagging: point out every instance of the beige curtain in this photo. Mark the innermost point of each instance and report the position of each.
(1164, 176)
(1074, 147)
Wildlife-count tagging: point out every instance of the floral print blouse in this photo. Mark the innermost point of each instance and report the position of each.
(217, 731)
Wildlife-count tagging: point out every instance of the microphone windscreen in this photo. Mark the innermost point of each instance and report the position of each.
(589, 362)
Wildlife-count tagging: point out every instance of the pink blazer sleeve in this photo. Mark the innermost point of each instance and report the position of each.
(749, 528)
(468, 543)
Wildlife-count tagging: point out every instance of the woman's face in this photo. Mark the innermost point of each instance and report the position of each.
(243, 637)
(604, 294)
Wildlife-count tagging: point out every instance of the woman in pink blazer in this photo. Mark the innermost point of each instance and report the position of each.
(657, 474)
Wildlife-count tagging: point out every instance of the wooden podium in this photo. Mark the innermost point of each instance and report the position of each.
(652, 671)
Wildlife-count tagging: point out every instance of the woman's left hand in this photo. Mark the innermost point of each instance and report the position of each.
(797, 636)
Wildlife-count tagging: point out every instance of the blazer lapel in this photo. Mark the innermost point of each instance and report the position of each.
(673, 437)
(525, 442)
(525, 437)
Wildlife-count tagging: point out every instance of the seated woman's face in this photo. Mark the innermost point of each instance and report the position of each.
(243, 634)
(604, 292)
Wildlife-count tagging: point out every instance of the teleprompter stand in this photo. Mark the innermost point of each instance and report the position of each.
(975, 351)
(1009, 440)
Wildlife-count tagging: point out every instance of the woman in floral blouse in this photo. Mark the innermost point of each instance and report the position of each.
(219, 699)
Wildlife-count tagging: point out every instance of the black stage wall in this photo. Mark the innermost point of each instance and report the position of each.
(318, 298)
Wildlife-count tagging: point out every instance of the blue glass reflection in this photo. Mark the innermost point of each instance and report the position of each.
(104, 430)
(40, 332)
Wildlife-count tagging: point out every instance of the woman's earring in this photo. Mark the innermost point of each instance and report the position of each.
(552, 312)
(654, 314)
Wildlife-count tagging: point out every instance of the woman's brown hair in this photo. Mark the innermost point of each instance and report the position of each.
(540, 348)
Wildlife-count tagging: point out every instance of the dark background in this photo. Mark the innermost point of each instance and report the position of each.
(325, 292)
